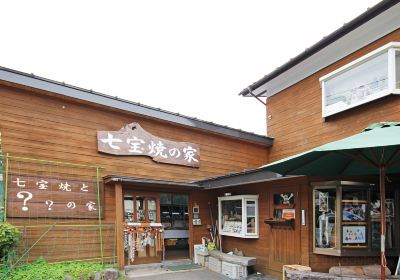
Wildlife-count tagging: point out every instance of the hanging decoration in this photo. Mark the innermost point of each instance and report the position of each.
(137, 236)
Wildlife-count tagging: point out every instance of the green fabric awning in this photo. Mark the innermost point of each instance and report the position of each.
(376, 150)
(360, 154)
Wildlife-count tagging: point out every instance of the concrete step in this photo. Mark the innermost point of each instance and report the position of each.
(141, 270)
(177, 262)
(151, 269)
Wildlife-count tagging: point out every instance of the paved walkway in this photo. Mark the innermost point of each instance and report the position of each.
(198, 274)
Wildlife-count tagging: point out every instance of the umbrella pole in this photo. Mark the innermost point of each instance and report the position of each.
(382, 176)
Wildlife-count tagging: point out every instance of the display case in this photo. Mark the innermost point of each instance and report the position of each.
(346, 219)
(238, 216)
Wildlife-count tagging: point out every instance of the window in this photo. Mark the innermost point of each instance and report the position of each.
(152, 209)
(136, 210)
(174, 211)
(238, 216)
(354, 218)
(370, 77)
(347, 219)
(325, 220)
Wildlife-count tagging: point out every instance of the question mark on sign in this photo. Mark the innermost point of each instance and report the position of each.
(49, 203)
(28, 197)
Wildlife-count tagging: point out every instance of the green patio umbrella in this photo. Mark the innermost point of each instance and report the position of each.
(376, 150)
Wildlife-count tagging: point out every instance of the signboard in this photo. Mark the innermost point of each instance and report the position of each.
(43, 196)
(288, 214)
(133, 140)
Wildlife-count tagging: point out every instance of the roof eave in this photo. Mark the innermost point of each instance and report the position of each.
(345, 29)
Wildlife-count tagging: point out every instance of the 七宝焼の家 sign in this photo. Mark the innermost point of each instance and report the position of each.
(133, 140)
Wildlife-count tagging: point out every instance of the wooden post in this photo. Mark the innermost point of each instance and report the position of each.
(382, 177)
(191, 232)
(119, 215)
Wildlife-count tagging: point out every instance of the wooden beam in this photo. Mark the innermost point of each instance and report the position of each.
(119, 214)
(190, 241)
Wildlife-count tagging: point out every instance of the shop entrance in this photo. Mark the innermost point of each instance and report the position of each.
(175, 219)
(142, 207)
(171, 210)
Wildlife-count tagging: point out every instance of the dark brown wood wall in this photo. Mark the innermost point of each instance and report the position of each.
(289, 244)
(44, 126)
(296, 120)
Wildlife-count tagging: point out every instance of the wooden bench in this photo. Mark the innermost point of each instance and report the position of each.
(243, 261)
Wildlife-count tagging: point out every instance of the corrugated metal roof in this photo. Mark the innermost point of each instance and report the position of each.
(30, 80)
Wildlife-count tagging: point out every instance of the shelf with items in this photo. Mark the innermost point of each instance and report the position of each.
(279, 222)
(238, 216)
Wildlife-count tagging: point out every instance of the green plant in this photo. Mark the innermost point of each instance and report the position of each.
(41, 270)
(9, 237)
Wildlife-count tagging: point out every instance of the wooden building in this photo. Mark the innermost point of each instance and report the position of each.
(334, 89)
(53, 149)
(79, 164)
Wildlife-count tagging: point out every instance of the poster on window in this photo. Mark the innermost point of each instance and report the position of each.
(323, 198)
(354, 235)
(354, 212)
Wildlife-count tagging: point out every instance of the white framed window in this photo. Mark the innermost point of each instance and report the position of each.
(238, 216)
(372, 76)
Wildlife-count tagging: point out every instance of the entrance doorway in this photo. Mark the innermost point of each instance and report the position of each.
(142, 207)
(175, 219)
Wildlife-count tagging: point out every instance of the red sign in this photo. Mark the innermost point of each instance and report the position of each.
(288, 214)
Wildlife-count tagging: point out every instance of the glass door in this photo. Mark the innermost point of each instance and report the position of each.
(142, 207)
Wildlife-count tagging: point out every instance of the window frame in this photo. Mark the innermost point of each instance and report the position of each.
(344, 250)
(391, 49)
(325, 186)
(243, 199)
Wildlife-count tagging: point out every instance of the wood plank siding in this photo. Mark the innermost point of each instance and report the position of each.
(295, 113)
(296, 123)
(46, 126)
(276, 245)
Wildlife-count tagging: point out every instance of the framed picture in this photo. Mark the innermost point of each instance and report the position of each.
(354, 212)
(354, 235)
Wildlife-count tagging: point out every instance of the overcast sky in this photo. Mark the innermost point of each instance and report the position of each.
(189, 57)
